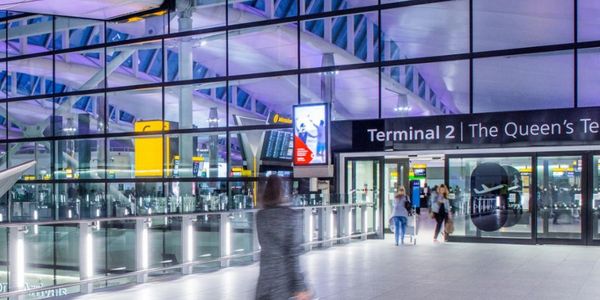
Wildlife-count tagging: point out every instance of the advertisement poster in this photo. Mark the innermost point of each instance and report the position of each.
(311, 134)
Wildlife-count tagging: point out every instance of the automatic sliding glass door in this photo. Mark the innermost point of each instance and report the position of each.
(559, 197)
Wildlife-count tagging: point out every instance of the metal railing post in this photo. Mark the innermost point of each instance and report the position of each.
(187, 243)
(86, 256)
(16, 254)
(225, 238)
(141, 249)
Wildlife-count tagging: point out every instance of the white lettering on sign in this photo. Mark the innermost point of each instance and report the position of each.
(499, 131)
(409, 134)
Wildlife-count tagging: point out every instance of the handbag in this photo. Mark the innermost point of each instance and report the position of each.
(449, 226)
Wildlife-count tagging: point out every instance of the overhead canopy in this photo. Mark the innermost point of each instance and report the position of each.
(92, 9)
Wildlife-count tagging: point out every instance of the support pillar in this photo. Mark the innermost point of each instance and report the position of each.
(16, 266)
(187, 244)
(86, 256)
(141, 249)
(225, 231)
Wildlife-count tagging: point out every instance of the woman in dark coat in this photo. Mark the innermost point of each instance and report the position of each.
(280, 240)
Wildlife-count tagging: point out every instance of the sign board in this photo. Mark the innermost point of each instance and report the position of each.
(311, 134)
(149, 149)
(523, 128)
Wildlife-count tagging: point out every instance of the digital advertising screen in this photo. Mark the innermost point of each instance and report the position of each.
(311, 130)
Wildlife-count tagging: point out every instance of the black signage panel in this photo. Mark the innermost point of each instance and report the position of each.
(523, 128)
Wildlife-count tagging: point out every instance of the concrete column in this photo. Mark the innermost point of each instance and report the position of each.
(141, 249)
(187, 243)
(16, 266)
(86, 256)
(186, 65)
(225, 230)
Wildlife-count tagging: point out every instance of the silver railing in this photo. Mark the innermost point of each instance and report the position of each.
(323, 226)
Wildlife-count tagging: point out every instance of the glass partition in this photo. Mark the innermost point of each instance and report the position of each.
(492, 196)
(242, 237)
(207, 240)
(113, 251)
(164, 236)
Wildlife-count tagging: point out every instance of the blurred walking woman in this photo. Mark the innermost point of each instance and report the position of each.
(280, 240)
(440, 207)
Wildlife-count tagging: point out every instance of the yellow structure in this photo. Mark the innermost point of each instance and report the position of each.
(149, 154)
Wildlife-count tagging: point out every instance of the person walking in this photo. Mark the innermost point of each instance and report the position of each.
(278, 226)
(401, 207)
(440, 208)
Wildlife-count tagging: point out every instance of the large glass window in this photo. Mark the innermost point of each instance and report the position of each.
(31, 202)
(30, 118)
(196, 106)
(134, 64)
(23, 40)
(195, 57)
(353, 93)
(79, 159)
(263, 49)
(80, 200)
(203, 14)
(425, 30)
(425, 89)
(137, 27)
(492, 196)
(523, 82)
(127, 108)
(40, 152)
(587, 22)
(340, 40)
(506, 24)
(320, 6)
(588, 70)
(199, 196)
(262, 101)
(196, 155)
(80, 70)
(31, 77)
(79, 115)
(252, 11)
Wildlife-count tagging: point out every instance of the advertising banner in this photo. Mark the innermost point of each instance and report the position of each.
(311, 140)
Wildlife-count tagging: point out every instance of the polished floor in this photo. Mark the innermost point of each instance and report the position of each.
(376, 269)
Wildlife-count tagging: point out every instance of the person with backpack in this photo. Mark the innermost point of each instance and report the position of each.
(440, 208)
(400, 212)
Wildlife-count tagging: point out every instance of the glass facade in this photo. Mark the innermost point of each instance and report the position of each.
(171, 113)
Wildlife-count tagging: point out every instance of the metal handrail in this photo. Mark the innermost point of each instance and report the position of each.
(162, 269)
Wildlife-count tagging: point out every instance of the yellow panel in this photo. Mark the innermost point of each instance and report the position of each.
(149, 156)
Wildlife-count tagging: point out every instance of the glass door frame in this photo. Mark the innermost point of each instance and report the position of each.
(586, 226)
(589, 178)
(381, 161)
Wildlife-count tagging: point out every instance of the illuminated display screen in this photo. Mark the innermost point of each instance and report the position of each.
(311, 143)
